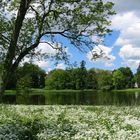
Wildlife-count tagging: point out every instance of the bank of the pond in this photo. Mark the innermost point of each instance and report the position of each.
(45, 91)
(128, 90)
(69, 122)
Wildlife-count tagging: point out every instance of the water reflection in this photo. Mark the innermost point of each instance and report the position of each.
(76, 98)
(94, 98)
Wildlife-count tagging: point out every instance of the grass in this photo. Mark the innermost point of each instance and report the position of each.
(128, 90)
(69, 122)
(45, 91)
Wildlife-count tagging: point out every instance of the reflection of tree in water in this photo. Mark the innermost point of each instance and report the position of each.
(136, 94)
(77, 98)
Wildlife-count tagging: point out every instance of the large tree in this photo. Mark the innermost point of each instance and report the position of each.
(23, 24)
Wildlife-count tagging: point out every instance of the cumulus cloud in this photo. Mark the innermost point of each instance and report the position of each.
(129, 26)
(127, 22)
(107, 59)
(122, 21)
(60, 66)
(48, 48)
(43, 64)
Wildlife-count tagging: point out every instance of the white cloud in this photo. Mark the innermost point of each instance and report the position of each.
(107, 58)
(47, 64)
(129, 26)
(130, 55)
(60, 66)
(122, 21)
(129, 52)
(43, 64)
(127, 22)
(46, 48)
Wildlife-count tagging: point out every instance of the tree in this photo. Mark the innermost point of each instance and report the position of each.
(56, 79)
(118, 79)
(104, 79)
(81, 77)
(23, 24)
(92, 79)
(129, 78)
(35, 74)
(137, 76)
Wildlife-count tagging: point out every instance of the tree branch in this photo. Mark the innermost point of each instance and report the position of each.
(24, 5)
(55, 32)
(5, 38)
(34, 10)
(49, 44)
(50, 6)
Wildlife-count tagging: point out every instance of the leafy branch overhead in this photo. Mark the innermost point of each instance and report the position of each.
(76, 20)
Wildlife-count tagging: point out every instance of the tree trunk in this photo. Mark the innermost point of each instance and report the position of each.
(5, 77)
(9, 67)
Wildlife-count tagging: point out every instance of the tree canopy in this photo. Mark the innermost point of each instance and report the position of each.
(24, 24)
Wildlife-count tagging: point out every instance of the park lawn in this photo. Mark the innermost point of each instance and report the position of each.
(20, 122)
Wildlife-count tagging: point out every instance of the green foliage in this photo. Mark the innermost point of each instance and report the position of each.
(118, 80)
(138, 79)
(123, 78)
(68, 79)
(92, 79)
(56, 79)
(80, 78)
(129, 78)
(28, 75)
(23, 85)
(104, 79)
(34, 72)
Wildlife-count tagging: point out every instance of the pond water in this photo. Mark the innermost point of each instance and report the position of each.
(76, 98)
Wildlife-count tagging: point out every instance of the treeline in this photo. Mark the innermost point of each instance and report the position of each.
(32, 76)
(81, 78)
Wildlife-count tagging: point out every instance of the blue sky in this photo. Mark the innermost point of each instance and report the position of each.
(122, 46)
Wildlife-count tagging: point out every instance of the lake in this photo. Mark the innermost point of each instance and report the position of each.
(76, 98)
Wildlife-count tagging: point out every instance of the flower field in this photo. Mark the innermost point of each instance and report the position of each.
(19, 122)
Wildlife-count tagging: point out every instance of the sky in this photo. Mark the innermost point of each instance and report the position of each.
(122, 47)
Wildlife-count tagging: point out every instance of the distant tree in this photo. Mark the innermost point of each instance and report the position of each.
(56, 79)
(137, 76)
(71, 78)
(75, 78)
(34, 72)
(68, 79)
(128, 75)
(23, 85)
(82, 76)
(92, 79)
(118, 79)
(104, 79)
